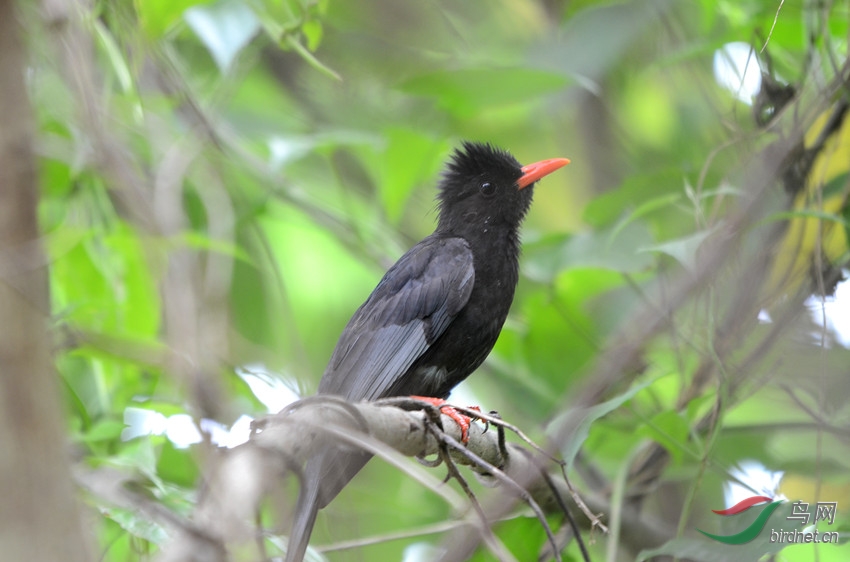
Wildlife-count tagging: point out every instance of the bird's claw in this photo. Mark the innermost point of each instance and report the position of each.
(462, 420)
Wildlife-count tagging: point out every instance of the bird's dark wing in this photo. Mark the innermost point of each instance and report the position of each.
(409, 309)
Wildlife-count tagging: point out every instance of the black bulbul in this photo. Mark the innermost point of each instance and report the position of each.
(437, 312)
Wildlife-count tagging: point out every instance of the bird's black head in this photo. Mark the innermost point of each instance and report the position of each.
(484, 186)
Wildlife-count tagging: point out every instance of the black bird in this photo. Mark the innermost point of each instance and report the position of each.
(437, 312)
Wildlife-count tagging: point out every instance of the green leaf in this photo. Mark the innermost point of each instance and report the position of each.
(127, 267)
(587, 417)
(467, 91)
(616, 249)
(685, 250)
(115, 56)
(699, 406)
(198, 240)
(104, 430)
(279, 17)
(806, 214)
(411, 158)
(138, 525)
(157, 17)
(565, 327)
(177, 466)
(704, 550)
(647, 191)
(646, 208)
(668, 429)
(313, 32)
(294, 44)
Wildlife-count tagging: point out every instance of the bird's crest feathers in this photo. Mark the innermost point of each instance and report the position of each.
(474, 159)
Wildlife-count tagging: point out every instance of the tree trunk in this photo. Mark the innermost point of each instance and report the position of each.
(39, 518)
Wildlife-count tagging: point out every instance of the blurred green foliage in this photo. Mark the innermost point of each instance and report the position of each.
(289, 152)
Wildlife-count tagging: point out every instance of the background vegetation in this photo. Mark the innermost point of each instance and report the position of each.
(222, 184)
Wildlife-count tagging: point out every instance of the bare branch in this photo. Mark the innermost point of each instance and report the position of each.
(244, 476)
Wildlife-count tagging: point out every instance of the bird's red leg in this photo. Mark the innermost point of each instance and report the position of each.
(463, 421)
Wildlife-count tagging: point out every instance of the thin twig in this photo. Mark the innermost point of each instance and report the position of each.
(500, 422)
(594, 519)
(567, 513)
(772, 26)
(495, 546)
(521, 492)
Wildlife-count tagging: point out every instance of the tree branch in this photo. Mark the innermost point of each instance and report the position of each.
(244, 476)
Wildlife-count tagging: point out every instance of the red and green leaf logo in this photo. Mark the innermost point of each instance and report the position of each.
(754, 528)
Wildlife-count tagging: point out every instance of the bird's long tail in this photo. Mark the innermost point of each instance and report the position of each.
(305, 513)
(324, 476)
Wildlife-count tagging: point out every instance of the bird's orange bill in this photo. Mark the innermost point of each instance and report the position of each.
(534, 172)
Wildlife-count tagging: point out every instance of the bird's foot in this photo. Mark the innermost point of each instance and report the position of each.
(463, 421)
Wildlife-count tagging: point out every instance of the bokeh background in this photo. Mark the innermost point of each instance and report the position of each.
(223, 183)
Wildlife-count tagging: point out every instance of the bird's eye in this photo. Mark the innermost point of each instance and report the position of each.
(487, 189)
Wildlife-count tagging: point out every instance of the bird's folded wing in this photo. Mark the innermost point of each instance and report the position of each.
(409, 309)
